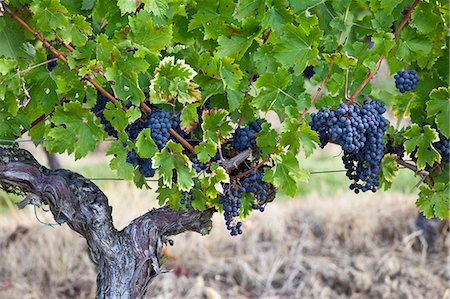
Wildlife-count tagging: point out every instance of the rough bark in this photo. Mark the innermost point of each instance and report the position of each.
(126, 260)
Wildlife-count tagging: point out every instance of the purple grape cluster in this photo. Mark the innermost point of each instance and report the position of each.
(244, 138)
(133, 129)
(98, 109)
(159, 123)
(254, 184)
(187, 200)
(231, 202)
(359, 131)
(53, 64)
(197, 165)
(144, 165)
(406, 80)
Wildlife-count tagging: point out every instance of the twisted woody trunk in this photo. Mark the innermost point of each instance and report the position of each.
(126, 260)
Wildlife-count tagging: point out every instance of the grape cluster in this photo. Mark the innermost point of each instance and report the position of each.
(359, 131)
(145, 167)
(197, 165)
(231, 202)
(244, 138)
(187, 200)
(406, 80)
(53, 64)
(254, 183)
(159, 123)
(98, 109)
(397, 150)
(133, 129)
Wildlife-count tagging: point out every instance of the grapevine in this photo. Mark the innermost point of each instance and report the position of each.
(187, 99)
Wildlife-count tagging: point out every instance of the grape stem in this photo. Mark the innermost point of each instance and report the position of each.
(371, 74)
(37, 65)
(412, 167)
(244, 174)
(88, 78)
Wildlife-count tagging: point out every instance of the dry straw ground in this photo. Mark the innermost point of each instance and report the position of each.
(340, 247)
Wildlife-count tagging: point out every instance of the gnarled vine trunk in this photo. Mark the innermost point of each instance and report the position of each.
(126, 260)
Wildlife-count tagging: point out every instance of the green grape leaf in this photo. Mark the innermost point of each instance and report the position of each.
(296, 48)
(425, 18)
(230, 73)
(11, 37)
(113, 112)
(145, 145)
(49, 14)
(124, 76)
(247, 201)
(6, 65)
(266, 139)
(78, 131)
(199, 201)
(173, 80)
(289, 133)
(205, 150)
(127, 6)
(421, 141)
(151, 36)
(439, 108)
(389, 170)
(88, 4)
(216, 126)
(284, 173)
(119, 162)
(171, 195)
(212, 185)
(42, 91)
(189, 117)
(171, 159)
(434, 201)
(234, 47)
(157, 7)
(308, 138)
(270, 88)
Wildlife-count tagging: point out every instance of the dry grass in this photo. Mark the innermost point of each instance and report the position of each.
(345, 247)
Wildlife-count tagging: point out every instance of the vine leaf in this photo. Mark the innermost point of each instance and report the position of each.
(438, 107)
(173, 80)
(421, 139)
(389, 169)
(434, 201)
(146, 147)
(170, 160)
(119, 162)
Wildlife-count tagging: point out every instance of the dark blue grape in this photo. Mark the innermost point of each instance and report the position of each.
(145, 167)
(231, 202)
(133, 129)
(309, 72)
(98, 109)
(159, 123)
(406, 80)
(244, 138)
(53, 64)
(359, 131)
